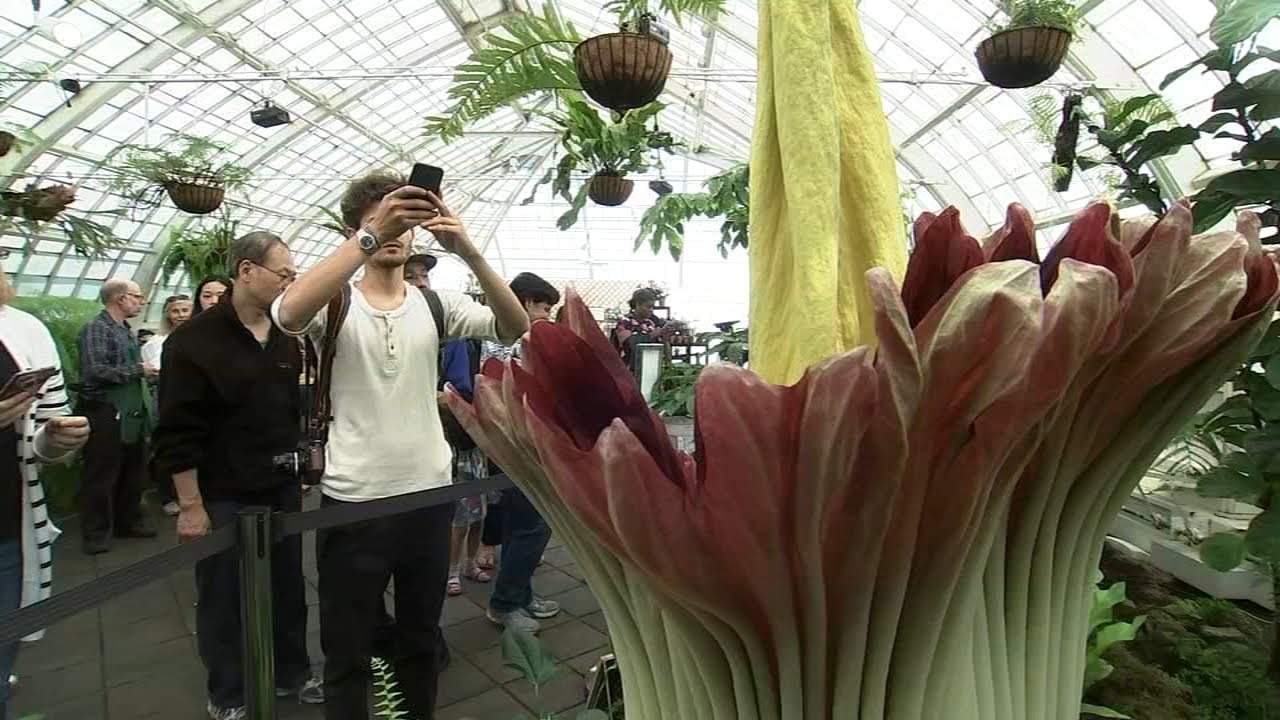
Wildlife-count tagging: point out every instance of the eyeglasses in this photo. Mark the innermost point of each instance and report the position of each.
(137, 296)
(286, 275)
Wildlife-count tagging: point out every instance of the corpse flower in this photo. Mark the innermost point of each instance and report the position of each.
(907, 532)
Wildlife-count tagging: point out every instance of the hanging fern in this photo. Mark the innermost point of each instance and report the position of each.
(726, 196)
(528, 54)
(630, 10)
(201, 251)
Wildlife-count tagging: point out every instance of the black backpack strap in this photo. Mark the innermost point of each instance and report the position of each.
(437, 312)
(321, 403)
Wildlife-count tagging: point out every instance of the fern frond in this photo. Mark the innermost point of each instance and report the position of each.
(628, 10)
(528, 54)
(385, 692)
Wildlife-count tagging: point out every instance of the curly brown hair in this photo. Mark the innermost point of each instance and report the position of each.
(365, 192)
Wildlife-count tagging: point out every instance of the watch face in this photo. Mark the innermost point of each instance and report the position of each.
(368, 242)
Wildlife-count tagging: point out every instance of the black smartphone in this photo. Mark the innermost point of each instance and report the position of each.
(28, 382)
(427, 177)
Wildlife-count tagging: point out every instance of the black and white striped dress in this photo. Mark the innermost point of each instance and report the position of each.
(32, 347)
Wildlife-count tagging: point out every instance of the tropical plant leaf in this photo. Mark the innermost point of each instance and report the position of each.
(528, 54)
(1237, 20)
(1262, 539)
(522, 651)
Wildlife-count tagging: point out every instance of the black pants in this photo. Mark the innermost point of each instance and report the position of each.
(111, 487)
(494, 523)
(218, 620)
(355, 563)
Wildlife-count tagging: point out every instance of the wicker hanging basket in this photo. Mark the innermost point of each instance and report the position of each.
(6, 142)
(198, 198)
(1023, 57)
(609, 190)
(622, 71)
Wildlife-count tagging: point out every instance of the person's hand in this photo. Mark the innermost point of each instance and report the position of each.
(67, 433)
(15, 408)
(449, 230)
(399, 211)
(193, 522)
(151, 372)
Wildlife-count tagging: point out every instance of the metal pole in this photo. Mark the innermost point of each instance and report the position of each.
(258, 646)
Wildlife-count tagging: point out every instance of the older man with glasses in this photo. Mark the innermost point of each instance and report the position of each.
(113, 397)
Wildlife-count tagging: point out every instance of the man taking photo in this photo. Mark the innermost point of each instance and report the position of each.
(228, 435)
(385, 437)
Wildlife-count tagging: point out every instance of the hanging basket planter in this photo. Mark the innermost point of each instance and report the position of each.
(622, 71)
(1023, 57)
(609, 190)
(7, 140)
(198, 197)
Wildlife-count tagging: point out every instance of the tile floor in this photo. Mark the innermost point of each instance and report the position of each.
(134, 657)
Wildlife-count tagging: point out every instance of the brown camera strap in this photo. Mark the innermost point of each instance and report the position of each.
(322, 405)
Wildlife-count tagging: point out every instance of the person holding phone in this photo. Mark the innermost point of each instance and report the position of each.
(35, 427)
(386, 438)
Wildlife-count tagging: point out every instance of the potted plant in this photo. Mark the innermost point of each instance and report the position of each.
(192, 170)
(608, 151)
(532, 53)
(201, 250)
(27, 212)
(1030, 47)
(726, 196)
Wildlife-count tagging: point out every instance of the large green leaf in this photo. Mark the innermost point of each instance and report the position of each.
(1238, 20)
(1223, 551)
(1253, 186)
(1266, 147)
(522, 651)
(1162, 143)
(1100, 609)
(1262, 539)
(1225, 482)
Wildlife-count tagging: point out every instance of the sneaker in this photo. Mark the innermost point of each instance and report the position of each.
(517, 620)
(96, 545)
(171, 509)
(311, 692)
(217, 713)
(543, 609)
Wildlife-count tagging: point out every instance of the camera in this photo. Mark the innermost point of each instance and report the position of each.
(306, 464)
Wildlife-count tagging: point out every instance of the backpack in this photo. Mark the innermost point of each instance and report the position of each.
(321, 402)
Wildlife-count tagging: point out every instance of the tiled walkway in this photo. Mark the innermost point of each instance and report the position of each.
(134, 657)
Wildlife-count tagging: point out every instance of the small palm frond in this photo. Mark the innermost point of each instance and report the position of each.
(628, 10)
(528, 54)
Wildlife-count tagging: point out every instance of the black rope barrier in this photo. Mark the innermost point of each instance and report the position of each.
(20, 623)
(348, 513)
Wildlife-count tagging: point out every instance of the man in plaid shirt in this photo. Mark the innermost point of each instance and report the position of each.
(113, 398)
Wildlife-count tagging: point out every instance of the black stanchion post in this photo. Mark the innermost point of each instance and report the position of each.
(256, 613)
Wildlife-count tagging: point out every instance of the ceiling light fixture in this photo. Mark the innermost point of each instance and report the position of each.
(270, 115)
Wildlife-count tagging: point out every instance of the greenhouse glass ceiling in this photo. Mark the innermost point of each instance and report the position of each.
(360, 76)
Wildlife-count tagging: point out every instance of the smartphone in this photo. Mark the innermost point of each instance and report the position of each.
(427, 177)
(28, 381)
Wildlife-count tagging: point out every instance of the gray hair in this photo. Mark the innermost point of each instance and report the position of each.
(254, 248)
(112, 289)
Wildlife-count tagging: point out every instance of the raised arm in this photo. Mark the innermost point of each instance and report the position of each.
(448, 229)
(398, 212)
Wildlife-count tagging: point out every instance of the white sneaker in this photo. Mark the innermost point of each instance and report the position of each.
(310, 692)
(542, 608)
(217, 713)
(517, 620)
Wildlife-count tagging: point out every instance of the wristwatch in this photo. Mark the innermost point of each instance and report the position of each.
(369, 243)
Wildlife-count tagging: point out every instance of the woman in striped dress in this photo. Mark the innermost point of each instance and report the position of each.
(34, 428)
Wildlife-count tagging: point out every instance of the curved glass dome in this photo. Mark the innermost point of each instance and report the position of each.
(360, 76)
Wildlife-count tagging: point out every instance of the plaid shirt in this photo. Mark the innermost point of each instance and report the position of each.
(104, 346)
